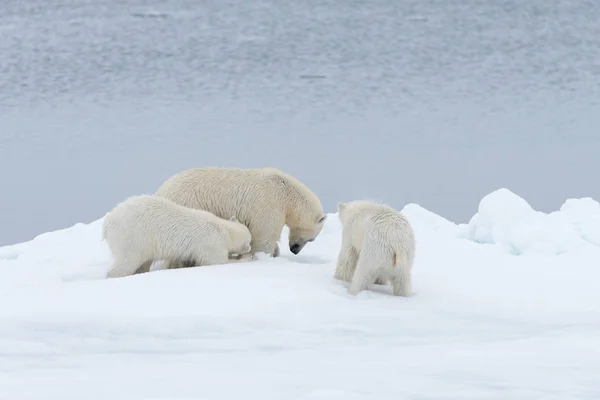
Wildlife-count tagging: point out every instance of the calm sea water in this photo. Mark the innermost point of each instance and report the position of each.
(436, 102)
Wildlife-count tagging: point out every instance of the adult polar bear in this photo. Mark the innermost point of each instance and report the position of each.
(378, 245)
(263, 199)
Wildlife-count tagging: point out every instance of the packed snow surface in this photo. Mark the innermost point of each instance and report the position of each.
(504, 307)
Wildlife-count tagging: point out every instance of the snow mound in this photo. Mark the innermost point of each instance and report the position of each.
(422, 219)
(584, 215)
(284, 328)
(508, 221)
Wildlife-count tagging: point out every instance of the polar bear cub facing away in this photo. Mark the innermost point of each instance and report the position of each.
(146, 228)
(378, 244)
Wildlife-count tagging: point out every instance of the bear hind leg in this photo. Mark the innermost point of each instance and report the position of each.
(361, 279)
(401, 285)
(370, 266)
(401, 280)
(381, 281)
(122, 267)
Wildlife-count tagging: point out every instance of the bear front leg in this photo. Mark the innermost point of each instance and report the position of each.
(266, 243)
(243, 258)
(273, 242)
(346, 262)
(276, 251)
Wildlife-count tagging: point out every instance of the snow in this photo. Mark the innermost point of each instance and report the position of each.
(507, 220)
(496, 314)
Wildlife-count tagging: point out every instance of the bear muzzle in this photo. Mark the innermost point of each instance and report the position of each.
(296, 247)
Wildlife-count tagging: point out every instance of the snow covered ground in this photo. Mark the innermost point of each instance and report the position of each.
(505, 307)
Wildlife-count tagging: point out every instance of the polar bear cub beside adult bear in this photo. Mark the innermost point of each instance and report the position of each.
(146, 228)
(263, 199)
(378, 244)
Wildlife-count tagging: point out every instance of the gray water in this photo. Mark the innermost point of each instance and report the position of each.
(436, 102)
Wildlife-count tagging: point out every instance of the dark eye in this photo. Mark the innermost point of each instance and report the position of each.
(322, 219)
(311, 240)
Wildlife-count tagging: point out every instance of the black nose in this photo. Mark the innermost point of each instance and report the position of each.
(295, 248)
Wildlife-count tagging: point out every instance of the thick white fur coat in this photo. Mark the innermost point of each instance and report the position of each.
(378, 246)
(146, 228)
(263, 199)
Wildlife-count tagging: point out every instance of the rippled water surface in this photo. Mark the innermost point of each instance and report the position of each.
(436, 102)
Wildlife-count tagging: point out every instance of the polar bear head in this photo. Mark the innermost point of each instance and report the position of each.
(346, 210)
(341, 208)
(306, 231)
(305, 221)
(239, 237)
(303, 211)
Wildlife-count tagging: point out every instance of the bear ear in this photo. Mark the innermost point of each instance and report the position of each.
(341, 206)
(234, 219)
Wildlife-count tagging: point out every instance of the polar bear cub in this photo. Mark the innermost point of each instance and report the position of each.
(146, 228)
(378, 244)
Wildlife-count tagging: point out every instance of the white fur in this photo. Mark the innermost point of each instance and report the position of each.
(263, 199)
(146, 228)
(378, 245)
